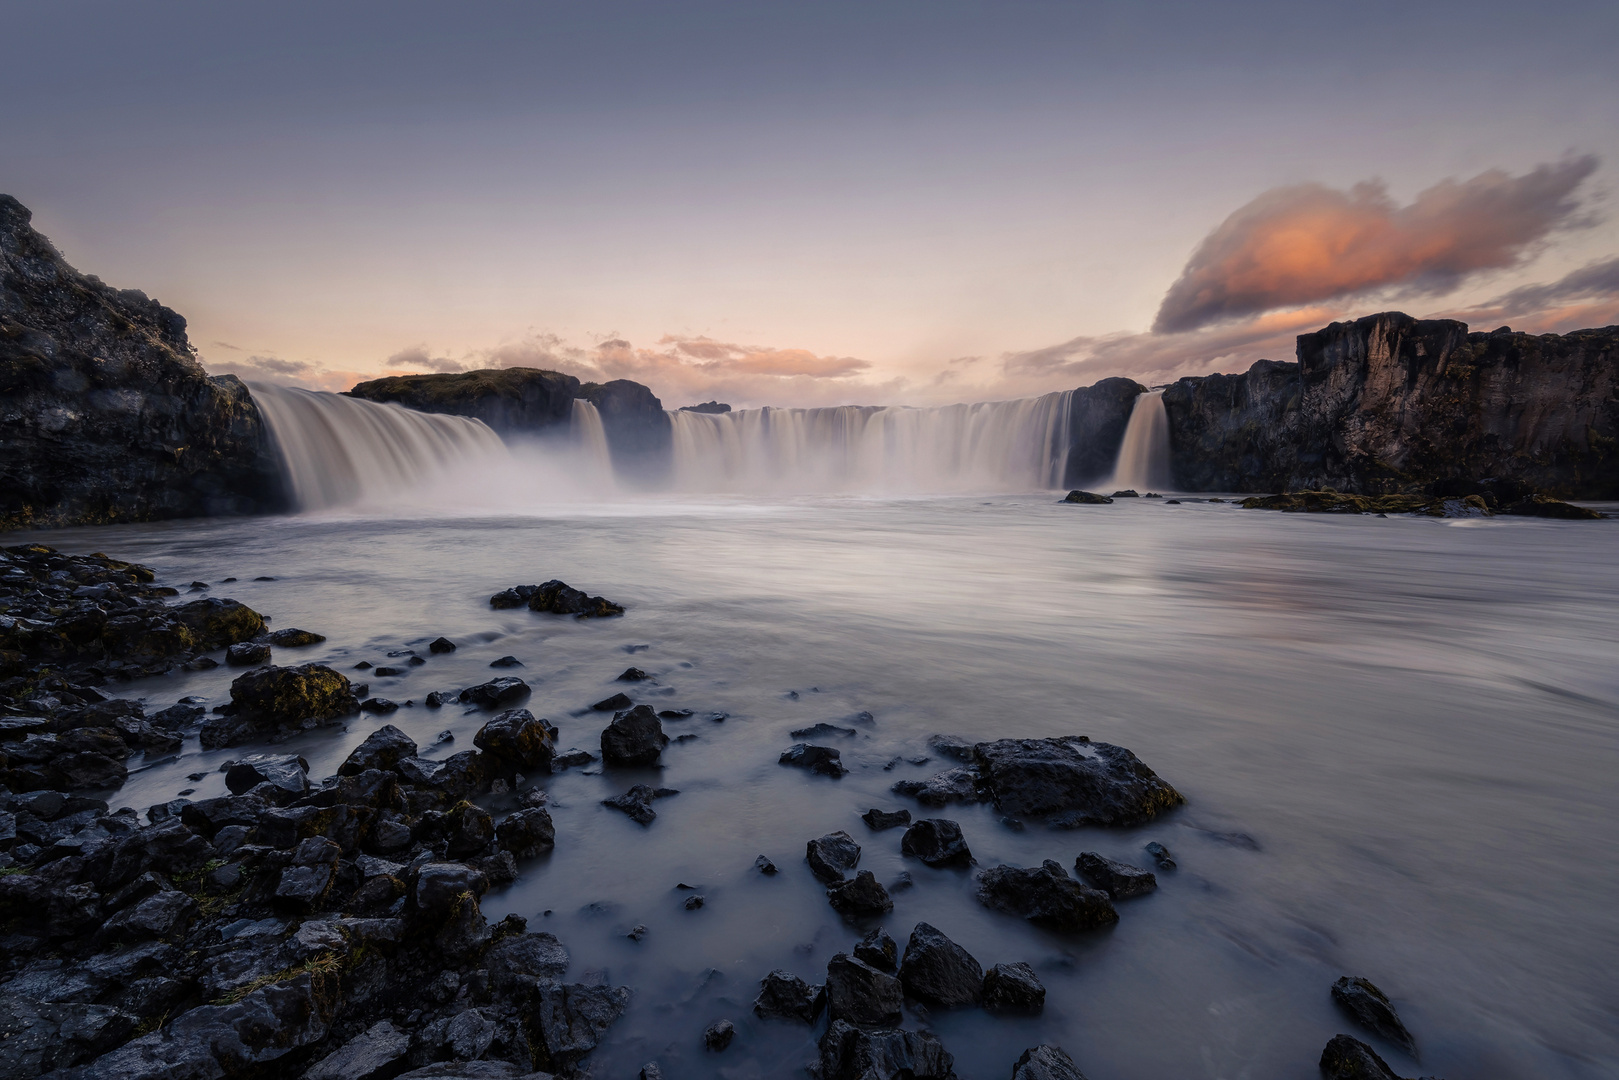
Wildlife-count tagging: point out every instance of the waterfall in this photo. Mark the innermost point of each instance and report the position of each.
(338, 450)
(1144, 454)
(589, 444)
(999, 446)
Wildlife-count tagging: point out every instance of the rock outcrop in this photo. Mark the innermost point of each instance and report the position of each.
(640, 435)
(1390, 404)
(1097, 417)
(513, 401)
(105, 413)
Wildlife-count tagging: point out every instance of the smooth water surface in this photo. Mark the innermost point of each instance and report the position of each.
(1397, 740)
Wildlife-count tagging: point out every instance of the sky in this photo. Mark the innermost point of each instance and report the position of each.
(817, 203)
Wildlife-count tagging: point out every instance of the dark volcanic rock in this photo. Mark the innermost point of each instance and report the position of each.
(633, 674)
(288, 772)
(102, 393)
(519, 739)
(384, 748)
(1046, 896)
(527, 834)
(1013, 988)
(859, 994)
(1046, 1062)
(510, 400)
(833, 855)
(718, 1035)
(495, 692)
(860, 896)
(1541, 506)
(937, 842)
(1160, 855)
(1390, 404)
(637, 802)
(1098, 416)
(851, 1053)
(1119, 880)
(279, 700)
(440, 645)
(570, 1018)
(639, 433)
(951, 746)
(558, 598)
(952, 785)
(936, 970)
(635, 737)
(879, 820)
(1347, 1058)
(1372, 1009)
(1072, 782)
(878, 950)
(817, 759)
(371, 1055)
(1086, 498)
(614, 703)
(784, 996)
(247, 653)
(292, 638)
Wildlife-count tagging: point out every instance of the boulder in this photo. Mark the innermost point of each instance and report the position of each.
(1160, 855)
(817, 759)
(951, 746)
(217, 623)
(247, 653)
(718, 1035)
(878, 820)
(287, 773)
(851, 1053)
(939, 972)
(293, 638)
(495, 692)
(859, 994)
(518, 739)
(1013, 988)
(372, 1055)
(614, 703)
(525, 961)
(1544, 506)
(633, 674)
(440, 645)
(1086, 498)
(1119, 880)
(1046, 1062)
(1046, 896)
(527, 834)
(384, 749)
(469, 830)
(281, 699)
(784, 996)
(634, 738)
(569, 1019)
(952, 785)
(1347, 1058)
(637, 802)
(1072, 782)
(937, 842)
(878, 949)
(559, 598)
(1373, 1010)
(860, 896)
(833, 855)
(436, 887)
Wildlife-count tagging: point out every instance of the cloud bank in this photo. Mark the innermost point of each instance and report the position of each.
(1309, 243)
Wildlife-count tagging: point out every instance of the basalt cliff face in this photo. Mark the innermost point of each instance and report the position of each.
(1097, 417)
(1390, 404)
(105, 414)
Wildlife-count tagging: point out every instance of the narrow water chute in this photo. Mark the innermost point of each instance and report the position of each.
(1143, 461)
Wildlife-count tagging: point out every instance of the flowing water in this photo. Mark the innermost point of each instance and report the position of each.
(1397, 740)
(1144, 454)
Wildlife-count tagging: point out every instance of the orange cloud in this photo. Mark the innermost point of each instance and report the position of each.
(1308, 243)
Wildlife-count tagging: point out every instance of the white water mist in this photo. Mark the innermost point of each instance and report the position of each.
(1144, 455)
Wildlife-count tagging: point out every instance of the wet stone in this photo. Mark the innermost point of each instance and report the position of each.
(817, 759)
(764, 865)
(1119, 880)
(495, 692)
(823, 731)
(785, 996)
(860, 896)
(879, 950)
(614, 703)
(952, 785)
(1013, 988)
(879, 820)
(293, 638)
(939, 972)
(718, 1035)
(937, 842)
(1046, 1062)
(832, 856)
(1372, 1009)
(1046, 896)
(633, 674)
(506, 661)
(860, 994)
(637, 802)
(634, 738)
(441, 645)
(384, 748)
(247, 653)
(1160, 855)
(1347, 1058)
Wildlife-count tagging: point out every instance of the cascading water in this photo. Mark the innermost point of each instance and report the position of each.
(339, 450)
(590, 441)
(1144, 454)
(1000, 446)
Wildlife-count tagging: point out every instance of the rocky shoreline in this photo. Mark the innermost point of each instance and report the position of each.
(332, 928)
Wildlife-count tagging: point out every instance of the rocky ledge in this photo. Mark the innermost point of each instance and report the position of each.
(105, 413)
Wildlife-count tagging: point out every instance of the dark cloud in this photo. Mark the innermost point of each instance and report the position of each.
(1309, 243)
(1594, 281)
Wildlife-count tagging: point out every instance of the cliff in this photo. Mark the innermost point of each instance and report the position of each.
(510, 400)
(1097, 418)
(1391, 404)
(105, 413)
(639, 433)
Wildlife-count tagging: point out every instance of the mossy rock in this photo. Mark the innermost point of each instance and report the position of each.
(288, 696)
(217, 622)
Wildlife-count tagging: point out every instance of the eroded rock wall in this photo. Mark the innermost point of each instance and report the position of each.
(1390, 404)
(1097, 417)
(105, 413)
(510, 400)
